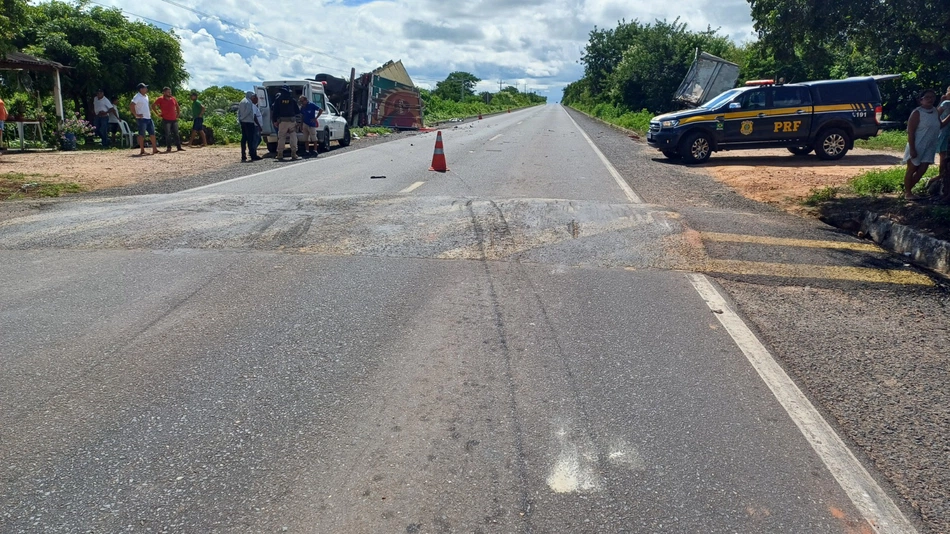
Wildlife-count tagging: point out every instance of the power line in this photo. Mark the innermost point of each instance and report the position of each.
(243, 27)
(217, 39)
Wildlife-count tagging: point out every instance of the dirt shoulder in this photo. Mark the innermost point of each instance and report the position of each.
(102, 169)
(776, 177)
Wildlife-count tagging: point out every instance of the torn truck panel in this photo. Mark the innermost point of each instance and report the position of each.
(708, 76)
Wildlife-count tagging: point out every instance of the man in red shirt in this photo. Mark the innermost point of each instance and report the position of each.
(169, 109)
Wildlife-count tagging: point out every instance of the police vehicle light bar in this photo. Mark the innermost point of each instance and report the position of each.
(760, 82)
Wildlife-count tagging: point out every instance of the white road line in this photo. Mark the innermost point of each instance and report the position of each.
(496, 137)
(627, 190)
(873, 503)
(276, 169)
(412, 187)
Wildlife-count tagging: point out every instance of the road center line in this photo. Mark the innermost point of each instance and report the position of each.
(412, 187)
(627, 190)
(496, 137)
(877, 508)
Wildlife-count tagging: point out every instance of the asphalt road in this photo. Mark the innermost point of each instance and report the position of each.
(521, 344)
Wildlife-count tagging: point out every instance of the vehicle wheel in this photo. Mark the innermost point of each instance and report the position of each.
(832, 144)
(272, 148)
(800, 150)
(670, 154)
(325, 144)
(346, 137)
(696, 148)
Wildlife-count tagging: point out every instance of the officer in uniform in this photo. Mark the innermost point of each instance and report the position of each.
(284, 110)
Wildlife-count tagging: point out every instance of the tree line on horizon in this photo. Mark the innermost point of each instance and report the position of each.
(638, 66)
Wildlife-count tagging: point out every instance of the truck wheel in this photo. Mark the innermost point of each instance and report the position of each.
(346, 137)
(832, 144)
(272, 148)
(696, 148)
(325, 144)
(800, 150)
(670, 154)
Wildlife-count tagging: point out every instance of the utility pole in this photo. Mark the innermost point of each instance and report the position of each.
(500, 83)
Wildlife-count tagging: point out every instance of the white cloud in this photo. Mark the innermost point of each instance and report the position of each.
(533, 42)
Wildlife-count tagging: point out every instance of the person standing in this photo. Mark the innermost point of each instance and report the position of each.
(169, 108)
(101, 106)
(923, 127)
(258, 121)
(248, 126)
(285, 111)
(198, 122)
(309, 113)
(3, 119)
(143, 117)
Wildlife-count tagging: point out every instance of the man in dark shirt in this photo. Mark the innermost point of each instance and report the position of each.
(284, 111)
(309, 113)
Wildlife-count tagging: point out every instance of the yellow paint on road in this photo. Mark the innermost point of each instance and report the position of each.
(821, 272)
(786, 242)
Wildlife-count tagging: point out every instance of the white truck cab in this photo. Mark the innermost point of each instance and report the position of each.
(331, 126)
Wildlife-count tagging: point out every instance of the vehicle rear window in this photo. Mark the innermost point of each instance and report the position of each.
(846, 92)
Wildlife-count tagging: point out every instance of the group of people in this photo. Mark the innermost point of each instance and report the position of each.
(107, 120)
(284, 111)
(928, 133)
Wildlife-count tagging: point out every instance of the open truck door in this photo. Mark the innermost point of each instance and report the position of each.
(263, 102)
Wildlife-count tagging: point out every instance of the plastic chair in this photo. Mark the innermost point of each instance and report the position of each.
(125, 133)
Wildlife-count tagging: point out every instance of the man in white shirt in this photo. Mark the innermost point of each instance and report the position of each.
(143, 116)
(101, 106)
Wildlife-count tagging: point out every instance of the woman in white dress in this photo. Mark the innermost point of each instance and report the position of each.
(923, 128)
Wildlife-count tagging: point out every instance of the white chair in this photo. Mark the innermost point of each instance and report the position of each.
(125, 133)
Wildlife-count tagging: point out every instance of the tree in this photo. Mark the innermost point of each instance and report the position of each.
(604, 51)
(653, 66)
(12, 17)
(103, 48)
(858, 37)
(457, 86)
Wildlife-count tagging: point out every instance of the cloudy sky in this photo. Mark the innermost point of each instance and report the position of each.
(533, 44)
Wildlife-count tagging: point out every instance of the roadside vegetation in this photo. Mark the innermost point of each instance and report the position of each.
(888, 140)
(15, 186)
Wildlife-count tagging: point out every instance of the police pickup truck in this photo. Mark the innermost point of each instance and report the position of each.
(825, 116)
(331, 126)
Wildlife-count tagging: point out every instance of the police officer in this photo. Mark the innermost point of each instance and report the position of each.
(284, 110)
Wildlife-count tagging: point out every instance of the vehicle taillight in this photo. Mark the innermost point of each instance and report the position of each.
(878, 114)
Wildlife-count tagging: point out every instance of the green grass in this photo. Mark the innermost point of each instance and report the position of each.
(880, 182)
(889, 140)
(361, 131)
(817, 196)
(17, 186)
(638, 121)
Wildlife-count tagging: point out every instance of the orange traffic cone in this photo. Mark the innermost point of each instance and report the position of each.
(479, 116)
(509, 110)
(438, 156)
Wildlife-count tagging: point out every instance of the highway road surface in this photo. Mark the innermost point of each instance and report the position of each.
(356, 344)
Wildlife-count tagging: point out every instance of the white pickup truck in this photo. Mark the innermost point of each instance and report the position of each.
(331, 126)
